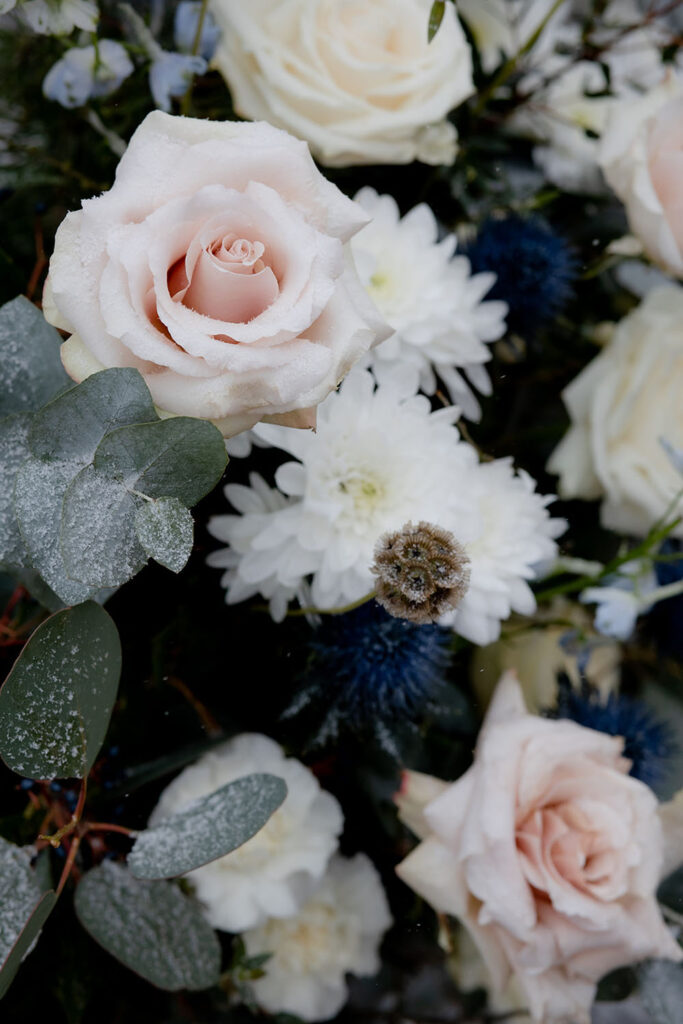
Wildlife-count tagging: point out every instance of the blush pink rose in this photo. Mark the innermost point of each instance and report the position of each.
(547, 851)
(217, 265)
(641, 154)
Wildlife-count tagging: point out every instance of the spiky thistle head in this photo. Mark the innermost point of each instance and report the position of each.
(649, 741)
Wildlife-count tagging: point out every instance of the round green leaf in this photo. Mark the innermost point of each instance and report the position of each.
(165, 529)
(211, 827)
(660, 985)
(31, 371)
(14, 451)
(178, 458)
(151, 927)
(56, 703)
(24, 909)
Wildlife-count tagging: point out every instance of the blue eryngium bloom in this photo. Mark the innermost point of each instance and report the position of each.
(534, 269)
(649, 741)
(371, 672)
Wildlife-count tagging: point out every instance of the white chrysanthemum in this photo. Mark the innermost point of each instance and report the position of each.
(336, 932)
(275, 871)
(429, 297)
(379, 459)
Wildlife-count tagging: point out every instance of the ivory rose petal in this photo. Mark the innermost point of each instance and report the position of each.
(548, 851)
(218, 266)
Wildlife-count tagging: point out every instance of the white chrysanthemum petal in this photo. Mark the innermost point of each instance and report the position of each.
(271, 874)
(432, 300)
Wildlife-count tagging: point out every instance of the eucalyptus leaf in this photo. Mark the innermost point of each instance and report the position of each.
(99, 544)
(211, 827)
(165, 529)
(151, 927)
(56, 703)
(13, 453)
(174, 458)
(25, 908)
(661, 990)
(71, 426)
(31, 371)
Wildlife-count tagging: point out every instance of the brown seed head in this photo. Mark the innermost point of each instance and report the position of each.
(421, 570)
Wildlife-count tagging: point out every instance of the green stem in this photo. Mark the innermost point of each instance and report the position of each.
(333, 611)
(185, 102)
(510, 65)
(654, 537)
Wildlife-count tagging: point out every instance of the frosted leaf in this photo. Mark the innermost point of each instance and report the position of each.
(24, 910)
(56, 703)
(209, 828)
(165, 529)
(178, 458)
(99, 544)
(151, 927)
(13, 453)
(38, 496)
(71, 426)
(31, 371)
(661, 990)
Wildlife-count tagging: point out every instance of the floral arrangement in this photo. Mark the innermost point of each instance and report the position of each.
(376, 307)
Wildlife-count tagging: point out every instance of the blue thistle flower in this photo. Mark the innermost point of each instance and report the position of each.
(371, 672)
(649, 741)
(534, 269)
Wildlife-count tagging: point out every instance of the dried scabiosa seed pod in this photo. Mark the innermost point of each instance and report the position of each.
(422, 571)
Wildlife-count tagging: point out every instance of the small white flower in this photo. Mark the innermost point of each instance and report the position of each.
(620, 604)
(271, 874)
(428, 296)
(171, 74)
(336, 932)
(379, 459)
(85, 72)
(185, 29)
(59, 17)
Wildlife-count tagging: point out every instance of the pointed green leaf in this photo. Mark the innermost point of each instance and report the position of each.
(211, 827)
(31, 371)
(165, 529)
(24, 910)
(151, 927)
(435, 18)
(56, 703)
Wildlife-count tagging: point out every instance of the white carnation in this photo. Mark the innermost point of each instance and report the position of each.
(429, 297)
(379, 459)
(271, 874)
(336, 932)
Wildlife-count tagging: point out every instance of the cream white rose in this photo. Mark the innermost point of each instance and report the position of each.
(548, 852)
(356, 78)
(218, 266)
(641, 154)
(621, 405)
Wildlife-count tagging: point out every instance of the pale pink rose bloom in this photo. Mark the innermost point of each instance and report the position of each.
(547, 851)
(217, 265)
(641, 154)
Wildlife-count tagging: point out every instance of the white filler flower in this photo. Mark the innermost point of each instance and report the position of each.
(337, 931)
(271, 874)
(379, 459)
(429, 297)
